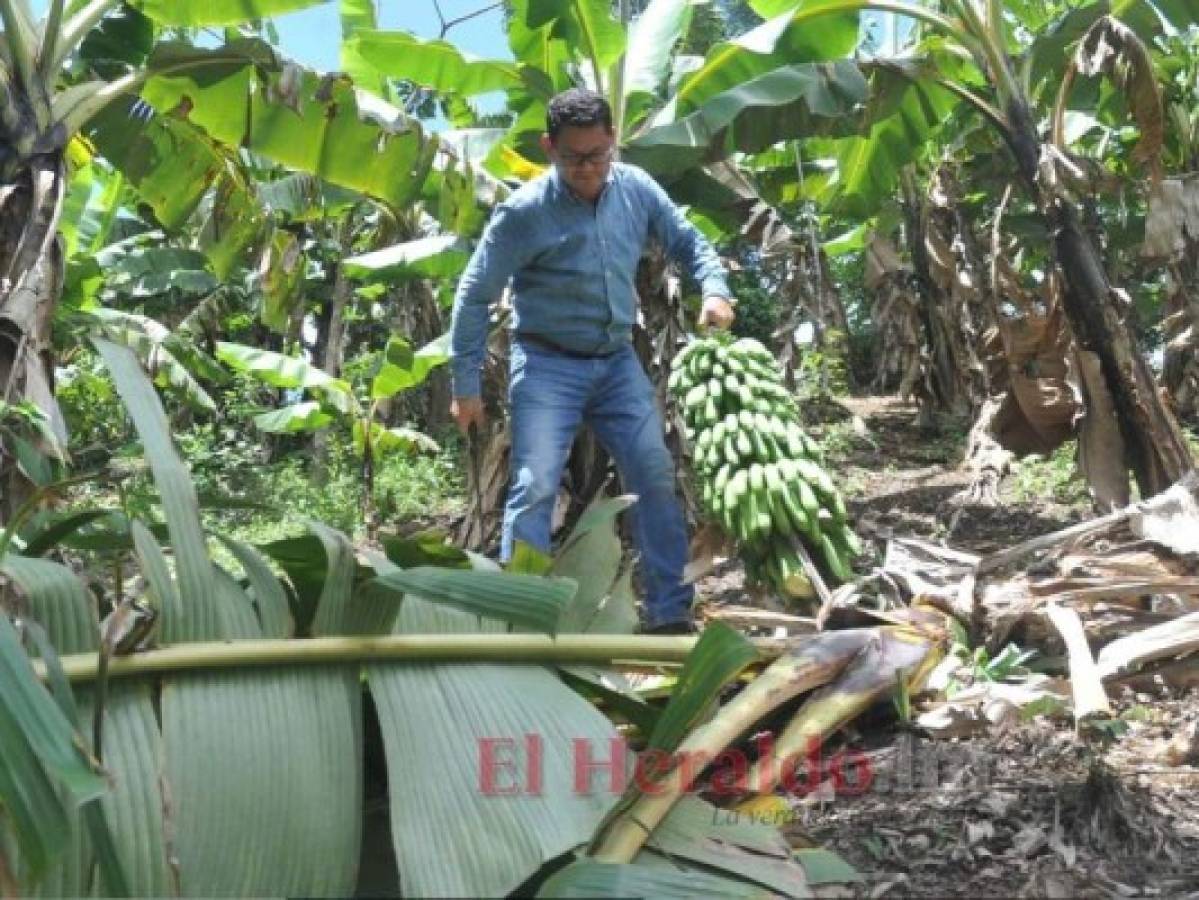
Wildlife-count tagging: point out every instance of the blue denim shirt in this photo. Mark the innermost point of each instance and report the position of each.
(572, 265)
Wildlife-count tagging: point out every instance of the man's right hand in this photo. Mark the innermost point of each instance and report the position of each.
(467, 411)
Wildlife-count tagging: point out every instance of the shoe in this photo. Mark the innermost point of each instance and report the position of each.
(686, 626)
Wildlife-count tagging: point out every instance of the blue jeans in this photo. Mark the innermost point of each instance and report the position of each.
(550, 396)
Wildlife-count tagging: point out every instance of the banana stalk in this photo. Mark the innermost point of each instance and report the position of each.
(889, 653)
(614, 650)
(856, 668)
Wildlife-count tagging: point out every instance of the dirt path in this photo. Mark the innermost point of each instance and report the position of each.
(1029, 809)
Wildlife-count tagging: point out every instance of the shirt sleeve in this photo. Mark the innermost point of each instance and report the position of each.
(682, 241)
(499, 253)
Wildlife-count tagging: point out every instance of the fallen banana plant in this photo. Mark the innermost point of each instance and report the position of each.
(853, 668)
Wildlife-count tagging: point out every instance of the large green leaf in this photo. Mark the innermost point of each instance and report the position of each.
(402, 369)
(201, 618)
(437, 65)
(1145, 17)
(306, 566)
(283, 268)
(385, 156)
(161, 590)
(585, 24)
(264, 767)
(720, 655)
(320, 125)
(527, 601)
(270, 599)
(93, 850)
(809, 33)
(588, 878)
(282, 371)
(592, 556)
(359, 16)
(790, 102)
(40, 822)
(135, 807)
(119, 43)
(44, 534)
(233, 224)
(906, 110)
(695, 831)
(333, 607)
(1050, 52)
(57, 600)
(613, 691)
(442, 256)
(468, 839)
(265, 774)
(541, 47)
(173, 166)
(142, 271)
(212, 64)
(168, 162)
(93, 199)
(652, 38)
(39, 757)
(218, 12)
(295, 419)
(386, 441)
(724, 195)
(130, 813)
(149, 341)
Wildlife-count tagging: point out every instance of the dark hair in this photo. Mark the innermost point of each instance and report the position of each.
(578, 107)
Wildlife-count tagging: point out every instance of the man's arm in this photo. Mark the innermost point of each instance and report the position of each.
(498, 254)
(683, 242)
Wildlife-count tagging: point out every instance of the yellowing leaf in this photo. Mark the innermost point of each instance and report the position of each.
(519, 166)
(766, 808)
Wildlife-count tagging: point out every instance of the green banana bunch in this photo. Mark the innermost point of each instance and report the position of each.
(761, 477)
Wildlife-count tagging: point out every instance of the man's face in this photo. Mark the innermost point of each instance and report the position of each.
(583, 156)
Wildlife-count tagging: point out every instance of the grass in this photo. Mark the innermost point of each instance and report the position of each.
(406, 488)
(1054, 477)
(230, 473)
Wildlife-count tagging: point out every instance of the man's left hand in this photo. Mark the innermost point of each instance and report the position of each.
(717, 312)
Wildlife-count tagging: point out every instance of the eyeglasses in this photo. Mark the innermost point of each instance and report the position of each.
(578, 160)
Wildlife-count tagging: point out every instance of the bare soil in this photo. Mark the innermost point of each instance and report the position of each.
(1030, 810)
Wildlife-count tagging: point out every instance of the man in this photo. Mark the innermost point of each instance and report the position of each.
(570, 240)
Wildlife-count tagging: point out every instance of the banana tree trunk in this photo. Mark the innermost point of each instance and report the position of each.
(330, 351)
(1180, 369)
(31, 278)
(948, 367)
(418, 317)
(1157, 452)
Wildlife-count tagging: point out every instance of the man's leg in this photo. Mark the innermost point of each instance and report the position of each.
(547, 394)
(625, 417)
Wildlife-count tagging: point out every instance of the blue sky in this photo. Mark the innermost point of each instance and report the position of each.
(311, 35)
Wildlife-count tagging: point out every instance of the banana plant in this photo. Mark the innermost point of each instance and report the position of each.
(99, 79)
(335, 401)
(973, 61)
